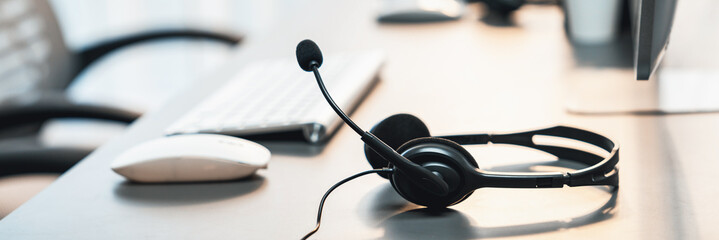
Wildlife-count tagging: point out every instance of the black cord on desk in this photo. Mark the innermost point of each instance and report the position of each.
(322, 202)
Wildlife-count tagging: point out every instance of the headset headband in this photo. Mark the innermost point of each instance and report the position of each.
(601, 172)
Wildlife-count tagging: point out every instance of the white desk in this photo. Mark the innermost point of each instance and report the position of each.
(462, 76)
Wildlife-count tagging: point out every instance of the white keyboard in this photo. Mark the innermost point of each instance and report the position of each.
(276, 96)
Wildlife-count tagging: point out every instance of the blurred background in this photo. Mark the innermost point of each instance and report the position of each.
(39, 61)
(46, 44)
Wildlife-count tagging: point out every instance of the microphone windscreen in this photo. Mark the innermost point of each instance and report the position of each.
(308, 52)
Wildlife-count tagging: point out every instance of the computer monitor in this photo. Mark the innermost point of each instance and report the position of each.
(651, 25)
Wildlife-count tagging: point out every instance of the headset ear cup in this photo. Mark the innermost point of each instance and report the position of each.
(394, 131)
(445, 165)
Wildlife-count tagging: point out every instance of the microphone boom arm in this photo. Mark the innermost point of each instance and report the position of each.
(326, 94)
(309, 57)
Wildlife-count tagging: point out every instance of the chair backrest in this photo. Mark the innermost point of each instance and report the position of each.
(33, 54)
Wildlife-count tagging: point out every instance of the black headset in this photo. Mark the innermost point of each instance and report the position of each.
(438, 172)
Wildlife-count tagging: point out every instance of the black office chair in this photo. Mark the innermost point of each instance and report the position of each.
(35, 68)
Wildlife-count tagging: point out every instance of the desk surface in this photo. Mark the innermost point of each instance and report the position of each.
(461, 76)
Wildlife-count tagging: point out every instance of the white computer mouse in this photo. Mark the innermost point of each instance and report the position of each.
(191, 158)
